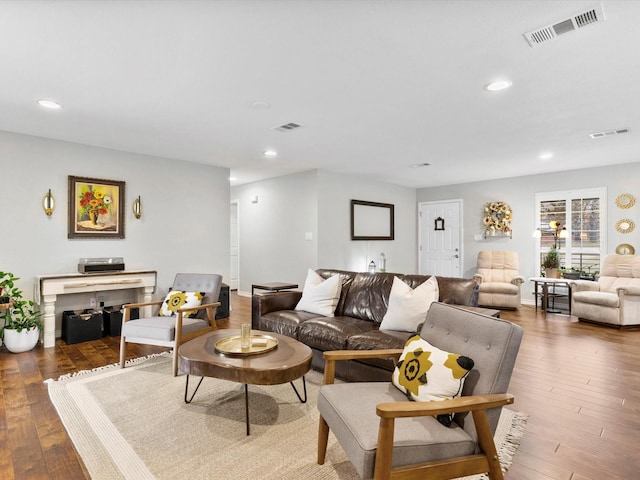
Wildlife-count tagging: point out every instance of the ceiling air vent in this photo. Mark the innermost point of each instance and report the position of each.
(547, 33)
(608, 133)
(287, 127)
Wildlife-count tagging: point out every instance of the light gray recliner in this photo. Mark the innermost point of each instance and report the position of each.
(382, 432)
(172, 331)
(499, 279)
(615, 298)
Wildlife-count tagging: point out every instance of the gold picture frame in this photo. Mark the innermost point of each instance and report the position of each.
(625, 225)
(96, 208)
(625, 200)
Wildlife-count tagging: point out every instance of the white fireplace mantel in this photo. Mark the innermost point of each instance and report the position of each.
(48, 287)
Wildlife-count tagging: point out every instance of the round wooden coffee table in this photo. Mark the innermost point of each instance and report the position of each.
(289, 361)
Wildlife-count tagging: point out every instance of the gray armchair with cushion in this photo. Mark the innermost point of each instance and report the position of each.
(187, 312)
(385, 433)
(499, 279)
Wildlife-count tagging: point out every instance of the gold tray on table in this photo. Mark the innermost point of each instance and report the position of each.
(259, 344)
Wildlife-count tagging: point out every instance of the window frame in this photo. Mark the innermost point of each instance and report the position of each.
(566, 246)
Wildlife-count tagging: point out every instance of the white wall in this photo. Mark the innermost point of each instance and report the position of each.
(335, 247)
(273, 247)
(184, 227)
(519, 193)
(272, 231)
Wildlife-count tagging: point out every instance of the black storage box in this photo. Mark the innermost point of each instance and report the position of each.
(81, 327)
(223, 310)
(112, 319)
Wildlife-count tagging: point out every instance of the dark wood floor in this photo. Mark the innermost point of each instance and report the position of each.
(579, 383)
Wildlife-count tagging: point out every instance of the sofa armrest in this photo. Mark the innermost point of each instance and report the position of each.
(584, 286)
(628, 290)
(517, 280)
(264, 303)
(478, 278)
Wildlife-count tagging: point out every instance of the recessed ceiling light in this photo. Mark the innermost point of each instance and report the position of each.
(231, 179)
(419, 165)
(498, 85)
(270, 153)
(43, 102)
(545, 156)
(259, 105)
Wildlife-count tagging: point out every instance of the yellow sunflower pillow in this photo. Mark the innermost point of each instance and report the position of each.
(176, 299)
(426, 373)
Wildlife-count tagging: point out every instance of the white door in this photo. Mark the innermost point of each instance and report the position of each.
(439, 238)
(235, 248)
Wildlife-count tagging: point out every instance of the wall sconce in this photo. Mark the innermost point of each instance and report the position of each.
(48, 203)
(137, 207)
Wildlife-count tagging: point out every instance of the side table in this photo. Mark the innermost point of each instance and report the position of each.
(273, 286)
(545, 288)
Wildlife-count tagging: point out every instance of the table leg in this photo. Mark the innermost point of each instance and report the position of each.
(553, 302)
(304, 386)
(186, 388)
(246, 405)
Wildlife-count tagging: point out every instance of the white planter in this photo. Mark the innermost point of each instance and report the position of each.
(23, 341)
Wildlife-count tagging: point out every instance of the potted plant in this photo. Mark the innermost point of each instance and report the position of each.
(551, 263)
(7, 285)
(22, 324)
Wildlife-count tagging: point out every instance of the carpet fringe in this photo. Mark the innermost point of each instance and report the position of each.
(510, 445)
(130, 362)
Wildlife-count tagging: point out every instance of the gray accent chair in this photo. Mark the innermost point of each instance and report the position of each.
(175, 330)
(383, 433)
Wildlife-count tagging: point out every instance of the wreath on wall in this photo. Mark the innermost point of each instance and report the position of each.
(497, 218)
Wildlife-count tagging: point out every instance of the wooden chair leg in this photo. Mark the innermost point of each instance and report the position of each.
(323, 439)
(175, 361)
(485, 440)
(384, 451)
(123, 351)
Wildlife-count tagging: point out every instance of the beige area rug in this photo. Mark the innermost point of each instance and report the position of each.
(133, 423)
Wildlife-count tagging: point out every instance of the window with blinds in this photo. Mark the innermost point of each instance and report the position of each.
(582, 213)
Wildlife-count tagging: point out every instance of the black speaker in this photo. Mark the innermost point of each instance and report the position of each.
(223, 309)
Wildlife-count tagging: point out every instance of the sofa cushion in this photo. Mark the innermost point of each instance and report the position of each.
(346, 279)
(284, 322)
(331, 333)
(498, 287)
(368, 296)
(378, 339)
(319, 295)
(408, 307)
(598, 298)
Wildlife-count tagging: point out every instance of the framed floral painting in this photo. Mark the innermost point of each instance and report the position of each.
(96, 208)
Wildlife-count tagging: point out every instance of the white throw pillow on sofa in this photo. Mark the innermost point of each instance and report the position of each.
(408, 308)
(319, 295)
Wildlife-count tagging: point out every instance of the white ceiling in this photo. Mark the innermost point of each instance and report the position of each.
(376, 85)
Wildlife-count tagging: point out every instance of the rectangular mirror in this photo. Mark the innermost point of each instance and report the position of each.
(371, 220)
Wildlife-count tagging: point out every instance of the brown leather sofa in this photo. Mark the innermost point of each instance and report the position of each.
(362, 305)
